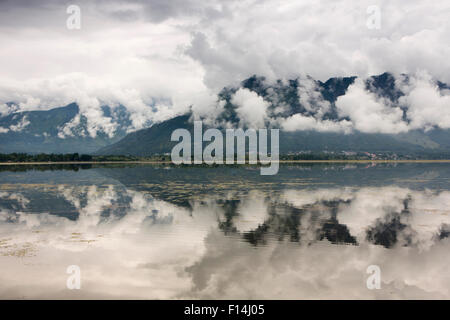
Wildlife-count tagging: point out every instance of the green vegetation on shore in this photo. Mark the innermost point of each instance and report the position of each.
(43, 157)
(306, 156)
(74, 157)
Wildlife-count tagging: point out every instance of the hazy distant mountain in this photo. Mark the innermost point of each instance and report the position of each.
(47, 131)
(157, 138)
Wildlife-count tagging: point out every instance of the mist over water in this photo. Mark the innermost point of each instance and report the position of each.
(165, 232)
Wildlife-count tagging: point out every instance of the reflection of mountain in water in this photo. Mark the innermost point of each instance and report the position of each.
(303, 203)
(390, 229)
(338, 215)
(285, 221)
(224, 233)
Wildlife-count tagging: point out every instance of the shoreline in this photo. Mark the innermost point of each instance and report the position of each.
(170, 162)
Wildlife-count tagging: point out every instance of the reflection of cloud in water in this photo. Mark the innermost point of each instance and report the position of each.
(286, 271)
(244, 245)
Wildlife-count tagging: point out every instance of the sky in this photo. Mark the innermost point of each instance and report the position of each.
(158, 58)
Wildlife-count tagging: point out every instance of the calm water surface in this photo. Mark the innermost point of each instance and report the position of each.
(163, 232)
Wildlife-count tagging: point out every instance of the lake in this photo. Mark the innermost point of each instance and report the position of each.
(313, 231)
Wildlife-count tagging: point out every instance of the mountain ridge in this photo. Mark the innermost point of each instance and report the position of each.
(412, 142)
(43, 131)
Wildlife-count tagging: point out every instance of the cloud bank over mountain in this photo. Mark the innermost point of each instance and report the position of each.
(158, 58)
(393, 106)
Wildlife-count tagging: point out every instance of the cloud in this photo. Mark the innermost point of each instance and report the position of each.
(369, 113)
(363, 107)
(281, 39)
(316, 107)
(251, 108)
(299, 122)
(207, 107)
(91, 95)
(136, 64)
(158, 58)
(189, 257)
(311, 98)
(316, 270)
(427, 105)
(20, 125)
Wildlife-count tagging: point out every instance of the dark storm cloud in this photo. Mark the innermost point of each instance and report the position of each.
(158, 11)
(155, 11)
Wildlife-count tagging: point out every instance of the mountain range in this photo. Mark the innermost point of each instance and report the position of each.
(43, 131)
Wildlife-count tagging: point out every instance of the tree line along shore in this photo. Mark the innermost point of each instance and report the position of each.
(322, 156)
